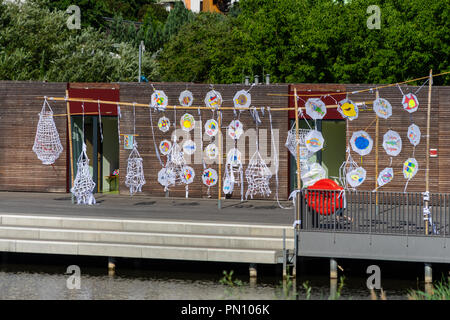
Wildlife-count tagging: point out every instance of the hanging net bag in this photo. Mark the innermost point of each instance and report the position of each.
(83, 186)
(292, 142)
(47, 144)
(135, 172)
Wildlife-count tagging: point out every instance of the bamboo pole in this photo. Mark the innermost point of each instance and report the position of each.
(219, 122)
(298, 154)
(427, 173)
(69, 128)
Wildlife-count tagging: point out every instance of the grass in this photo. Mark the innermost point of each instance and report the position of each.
(440, 291)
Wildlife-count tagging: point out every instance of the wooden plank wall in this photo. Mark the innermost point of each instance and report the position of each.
(442, 125)
(141, 93)
(20, 169)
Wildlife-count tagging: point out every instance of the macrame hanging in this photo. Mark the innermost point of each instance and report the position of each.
(414, 134)
(347, 166)
(314, 141)
(361, 143)
(159, 100)
(315, 108)
(164, 124)
(47, 144)
(348, 109)
(392, 143)
(186, 98)
(135, 172)
(242, 99)
(292, 142)
(83, 185)
(410, 102)
(213, 99)
(382, 108)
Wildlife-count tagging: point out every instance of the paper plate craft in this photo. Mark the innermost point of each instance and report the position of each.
(209, 177)
(211, 151)
(258, 177)
(164, 124)
(164, 147)
(356, 177)
(315, 108)
(228, 184)
(414, 134)
(189, 147)
(385, 176)
(410, 168)
(135, 172)
(235, 129)
(382, 108)
(361, 143)
(213, 99)
(314, 173)
(187, 175)
(348, 109)
(47, 144)
(392, 143)
(234, 157)
(410, 102)
(211, 127)
(166, 177)
(347, 166)
(187, 122)
(83, 185)
(186, 98)
(314, 141)
(242, 99)
(159, 100)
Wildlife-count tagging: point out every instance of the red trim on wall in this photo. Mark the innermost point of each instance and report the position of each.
(95, 94)
(332, 113)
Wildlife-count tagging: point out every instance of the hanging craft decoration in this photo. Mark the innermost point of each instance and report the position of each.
(189, 147)
(212, 151)
(392, 143)
(235, 129)
(347, 166)
(83, 185)
(209, 177)
(382, 108)
(228, 183)
(242, 99)
(166, 177)
(187, 122)
(385, 176)
(361, 143)
(291, 143)
(258, 176)
(348, 109)
(47, 144)
(187, 175)
(315, 108)
(234, 157)
(164, 147)
(314, 141)
(186, 98)
(356, 177)
(414, 134)
(410, 102)
(211, 127)
(213, 99)
(410, 168)
(135, 172)
(159, 100)
(164, 124)
(314, 173)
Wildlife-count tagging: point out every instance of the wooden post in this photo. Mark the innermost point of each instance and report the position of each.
(69, 128)
(377, 132)
(427, 172)
(219, 122)
(298, 153)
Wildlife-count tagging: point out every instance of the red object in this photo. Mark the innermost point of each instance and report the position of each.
(94, 94)
(433, 153)
(323, 202)
(332, 113)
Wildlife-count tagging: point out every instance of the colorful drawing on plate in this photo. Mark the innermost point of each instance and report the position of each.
(213, 99)
(159, 100)
(166, 177)
(164, 124)
(361, 143)
(392, 143)
(211, 151)
(128, 141)
(314, 141)
(209, 177)
(187, 122)
(410, 102)
(186, 98)
(235, 129)
(211, 127)
(356, 177)
(348, 109)
(228, 184)
(242, 99)
(187, 175)
(382, 108)
(234, 157)
(410, 168)
(315, 108)
(165, 146)
(189, 147)
(385, 176)
(414, 134)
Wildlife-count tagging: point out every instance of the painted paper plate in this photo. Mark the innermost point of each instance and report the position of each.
(211, 127)
(385, 176)
(187, 122)
(305, 154)
(315, 108)
(410, 168)
(189, 147)
(410, 102)
(164, 124)
(312, 174)
(314, 141)
(166, 177)
(348, 109)
(382, 108)
(213, 99)
(209, 177)
(186, 98)
(228, 184)
(187, 175)
(392, 143)
(242, 99)
(211, 151)
(159, 100)
(234, 157)
(414, 134)
(361, 143)
(165, 146)
(235, 129)
(356, 177)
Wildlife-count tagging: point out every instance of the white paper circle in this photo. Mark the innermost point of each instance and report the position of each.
(159, 100)
(242, 99)
(385, 176)
(361, 143)
(209, 177)
(410, 168)
(166, 177)
(234, 157)
(213, 99)
(189, 147)
(392, 143)
(165, 146)
(348, 109)
(164, 124)
(235, 129)
(187, 174)
(211, 151)
(211, 127)
(186, 98)
(312, 174)
(382, 108)
(315, 108)
(356, 177)
(410, 102)
(228, 184)
(187, 122)
(314, 141)
(414, 134)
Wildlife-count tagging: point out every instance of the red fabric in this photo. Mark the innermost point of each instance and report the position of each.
(323, 202)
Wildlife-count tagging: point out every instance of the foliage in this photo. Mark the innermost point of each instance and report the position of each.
(441, 291)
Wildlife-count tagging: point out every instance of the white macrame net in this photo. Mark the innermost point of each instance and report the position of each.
(135, 172)
(175, 166)
(346, 167)
(258, 176)
(47, 144)
(291, 143)
(83, 186)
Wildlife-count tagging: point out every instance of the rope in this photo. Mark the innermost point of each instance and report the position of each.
(100, 121)
(154, 141)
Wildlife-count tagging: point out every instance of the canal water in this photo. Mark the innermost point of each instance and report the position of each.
(42, 278)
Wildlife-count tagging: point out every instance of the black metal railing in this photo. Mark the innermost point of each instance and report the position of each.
(373, 212)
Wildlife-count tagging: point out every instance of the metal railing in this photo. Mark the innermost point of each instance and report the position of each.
(373, 212)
